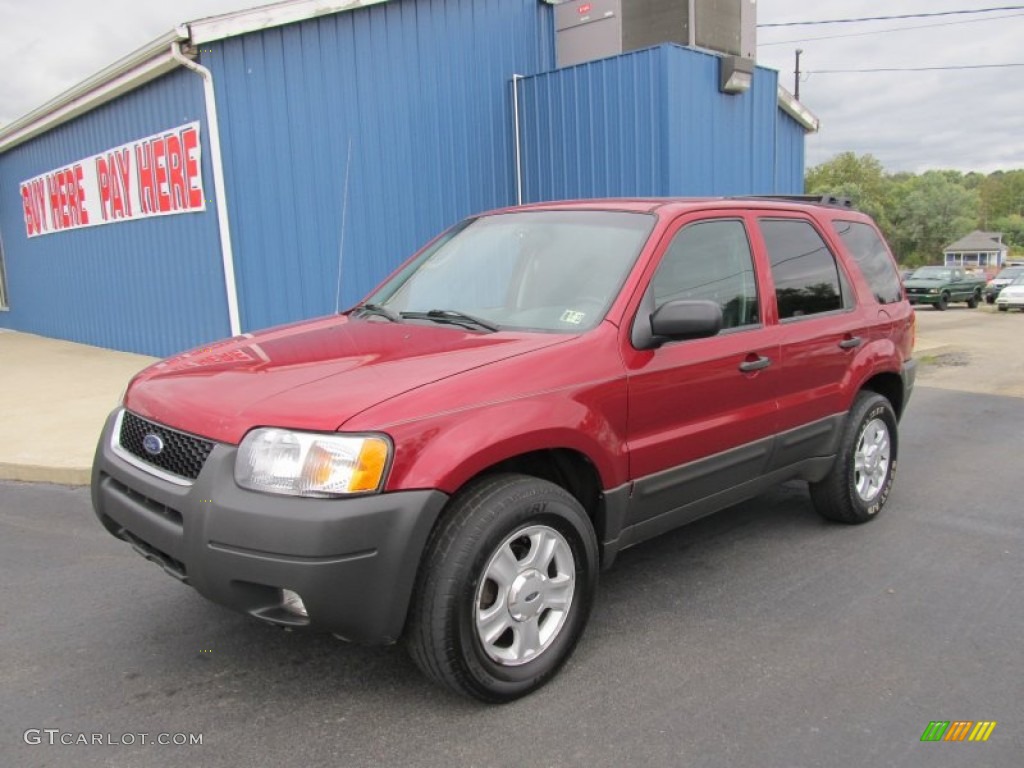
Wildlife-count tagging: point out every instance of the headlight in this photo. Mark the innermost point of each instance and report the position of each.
(933, 290)
(311, 464)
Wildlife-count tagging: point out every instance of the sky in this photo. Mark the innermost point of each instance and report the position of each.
(968, 120)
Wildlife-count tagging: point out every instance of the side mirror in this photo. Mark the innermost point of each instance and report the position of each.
(677, 321)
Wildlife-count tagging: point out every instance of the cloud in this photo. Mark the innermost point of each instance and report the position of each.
(911, 121)
(52, 45)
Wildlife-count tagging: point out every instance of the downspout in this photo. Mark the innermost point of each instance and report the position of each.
(519, 156)
(220, 189)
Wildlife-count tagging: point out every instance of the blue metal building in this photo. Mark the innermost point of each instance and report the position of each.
(329, 146)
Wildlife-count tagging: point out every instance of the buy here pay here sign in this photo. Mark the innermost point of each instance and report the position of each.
(154, 176)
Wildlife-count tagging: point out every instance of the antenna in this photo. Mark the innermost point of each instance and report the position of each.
(344, 212)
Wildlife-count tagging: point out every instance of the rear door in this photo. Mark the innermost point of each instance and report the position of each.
(702, 412)
(822, 326)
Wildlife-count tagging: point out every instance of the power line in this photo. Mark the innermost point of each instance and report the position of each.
(889, 18)
(912, 69)
(892, 29)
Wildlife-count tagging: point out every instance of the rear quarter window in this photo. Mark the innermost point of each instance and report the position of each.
(872, 258)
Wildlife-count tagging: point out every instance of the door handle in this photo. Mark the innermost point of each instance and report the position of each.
(749, 366)
(852, 343)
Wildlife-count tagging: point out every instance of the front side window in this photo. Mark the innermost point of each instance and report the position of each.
(873, 258)
(534, 270)
(711, 261)
(807, 278)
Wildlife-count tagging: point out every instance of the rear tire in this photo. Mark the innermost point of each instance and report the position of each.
(972, 302)
(1002, 307)
(857, 486)
(505, 589)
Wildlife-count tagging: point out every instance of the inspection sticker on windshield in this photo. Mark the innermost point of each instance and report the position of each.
(571, 316)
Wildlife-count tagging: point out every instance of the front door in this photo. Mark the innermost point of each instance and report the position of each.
(702, 412)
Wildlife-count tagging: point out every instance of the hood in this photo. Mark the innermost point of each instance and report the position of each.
(312, 375)
(1012, 290)
(925, 282)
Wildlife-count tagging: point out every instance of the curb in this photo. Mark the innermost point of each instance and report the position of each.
(38, 473)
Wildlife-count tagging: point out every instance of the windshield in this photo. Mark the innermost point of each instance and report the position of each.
(933, 273)
(527, 270)
(1010, 273)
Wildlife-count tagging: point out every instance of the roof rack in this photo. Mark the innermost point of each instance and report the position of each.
(833, 201)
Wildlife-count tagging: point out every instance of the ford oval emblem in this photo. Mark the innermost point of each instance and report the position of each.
(152, 444)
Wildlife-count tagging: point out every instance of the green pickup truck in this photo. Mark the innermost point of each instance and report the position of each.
(939, 286)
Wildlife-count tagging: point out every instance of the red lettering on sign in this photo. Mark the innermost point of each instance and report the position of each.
(31, 226)
(80, 194)
(147, 187)
(160, 173)
(116, 190)
(190, 145)
(176, 173)
(71, 195)
(65, 204)
(123, 160)
(53, 193)
(39, 205)
(103, 179)
(584, 9)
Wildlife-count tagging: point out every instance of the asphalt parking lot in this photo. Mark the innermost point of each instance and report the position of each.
(762, 636)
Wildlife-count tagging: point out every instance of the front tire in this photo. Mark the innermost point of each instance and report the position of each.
(857, 486)
(942, 302)
(505, 590)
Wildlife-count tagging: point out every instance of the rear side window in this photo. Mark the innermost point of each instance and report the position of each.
(807, 279)
(873, 258)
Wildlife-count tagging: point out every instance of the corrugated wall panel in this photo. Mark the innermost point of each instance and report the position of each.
(596, 129)
(790, 147)
(725, 142)
(653, 122)
(419, 90)
(153, 286)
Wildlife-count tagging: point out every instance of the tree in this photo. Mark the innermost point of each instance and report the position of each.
(858, 177)
(920, 214)
(1012, 227)
(931, 211)
(1002, 194)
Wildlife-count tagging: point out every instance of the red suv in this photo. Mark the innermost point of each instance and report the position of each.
(453, 460)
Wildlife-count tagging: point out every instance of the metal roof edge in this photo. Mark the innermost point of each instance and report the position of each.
(789, 104)
(127, 73)
(154, 59)
(265, 17)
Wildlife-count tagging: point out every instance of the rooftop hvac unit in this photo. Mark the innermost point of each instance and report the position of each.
(593, 29)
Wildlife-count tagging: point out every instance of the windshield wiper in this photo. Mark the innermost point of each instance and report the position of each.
(454, 317)
(377, 309)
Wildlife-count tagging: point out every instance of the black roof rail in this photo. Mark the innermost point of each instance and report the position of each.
(833, 201)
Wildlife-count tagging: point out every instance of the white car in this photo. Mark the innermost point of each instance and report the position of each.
(1011, 296)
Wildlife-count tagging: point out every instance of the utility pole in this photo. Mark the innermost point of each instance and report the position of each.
(796, 75)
